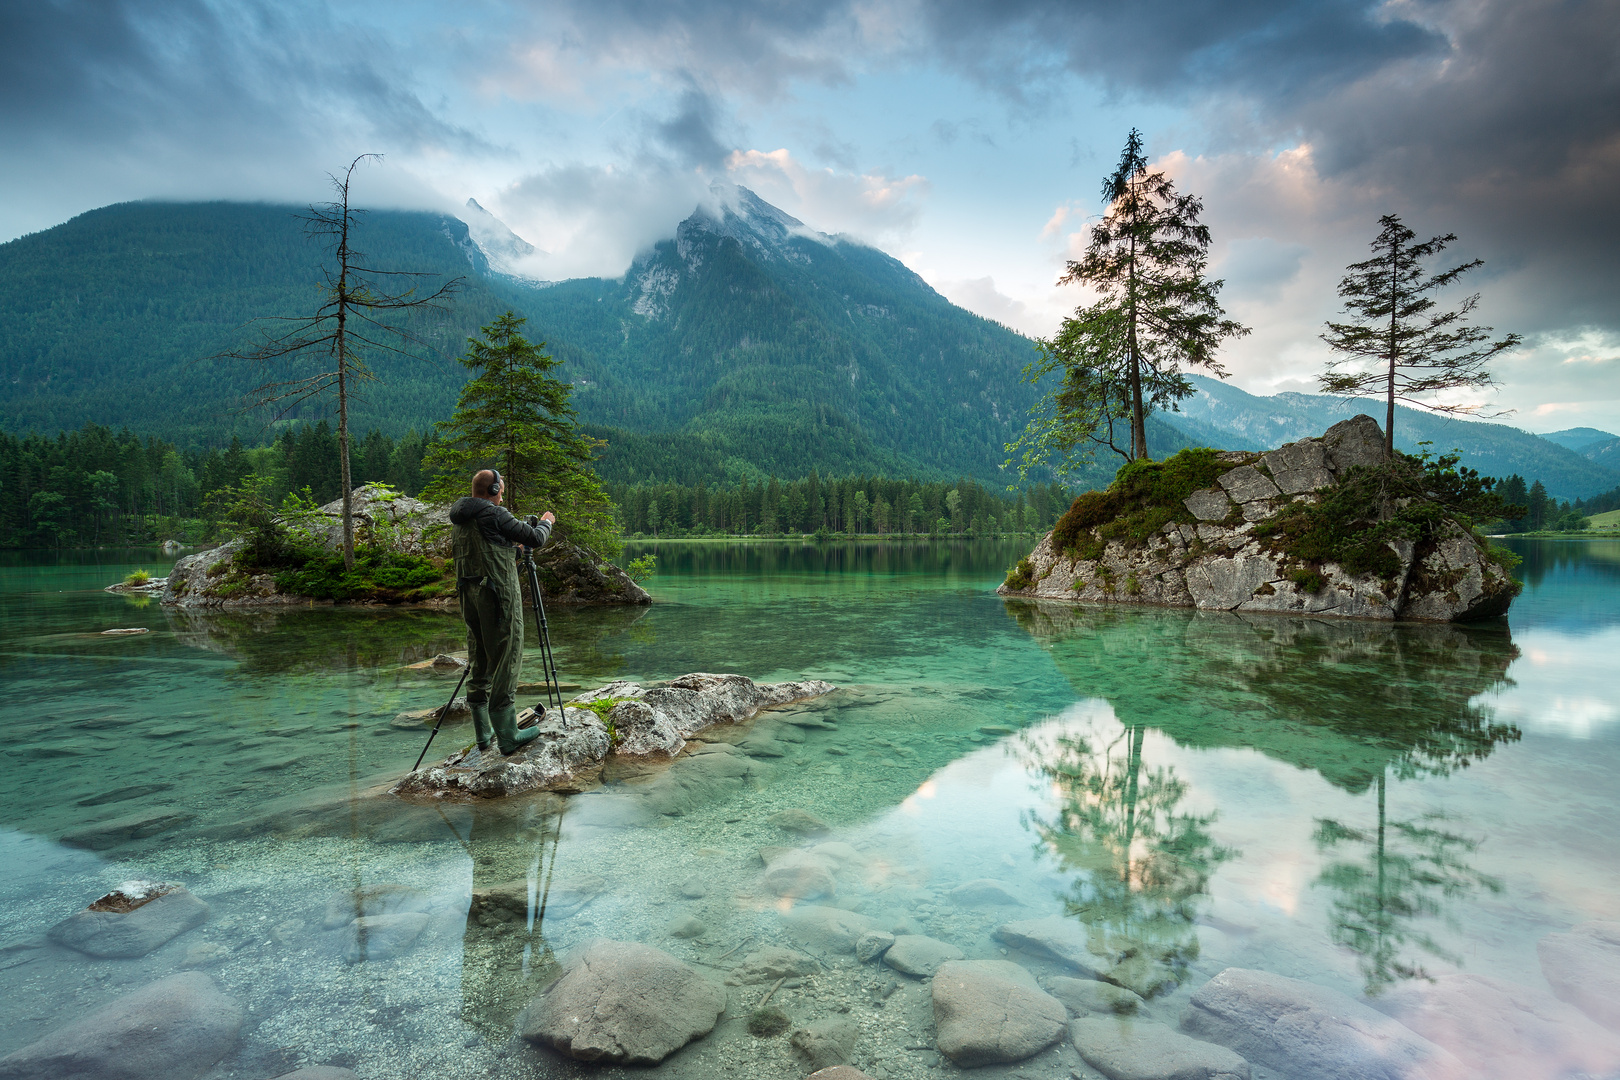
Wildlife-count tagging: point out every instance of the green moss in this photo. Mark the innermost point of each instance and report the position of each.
(1144, 497)
(1021, 576)
(1307, 579)
(768, 1021)
(1132, 584)
(138, 577)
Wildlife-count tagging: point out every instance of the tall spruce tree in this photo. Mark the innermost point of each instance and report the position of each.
(515, 416)
(356, 320)
(1157, 314)
(1396, 346)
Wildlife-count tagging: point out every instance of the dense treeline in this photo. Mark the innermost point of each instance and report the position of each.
(850, 505)
(95, 486)
(1543, 512)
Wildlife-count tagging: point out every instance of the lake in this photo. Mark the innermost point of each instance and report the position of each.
(1360, 806)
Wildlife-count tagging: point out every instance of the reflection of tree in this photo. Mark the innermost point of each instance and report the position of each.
(1355, 701)
(1139, 865)
(1409, 868)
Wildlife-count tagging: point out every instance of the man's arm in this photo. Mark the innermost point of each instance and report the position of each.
(521, 532)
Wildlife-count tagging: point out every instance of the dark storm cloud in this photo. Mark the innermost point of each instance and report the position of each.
(119, 71)
(690, 134)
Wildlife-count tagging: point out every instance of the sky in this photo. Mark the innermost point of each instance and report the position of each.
(968, 138)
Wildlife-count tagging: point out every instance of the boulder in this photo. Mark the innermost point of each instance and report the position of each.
(621, 1002)
(800, 875)
(132, 920)
(459, 712)
(1247, 483)
(769, 964)
(1301, 1029)
(872, 944)
(1208, 504)
(1141, 1050)
(1356, 442)
(1055, 938)
(383, 937)
(825, 930)
(1299, 467)
(802, 822)
(685, 926)
(990, 1012)
(1088, 997)
(826, 1043)
(174, 1029)
(915, 954)
(1583, 968)
(574, 574)
(659, 718)
(1503, 1030)
(385, 898)
(984, 892)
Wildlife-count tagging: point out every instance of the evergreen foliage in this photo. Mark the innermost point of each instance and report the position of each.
(515, 416)
(1395, 346)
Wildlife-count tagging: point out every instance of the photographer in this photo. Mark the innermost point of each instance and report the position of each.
(488, 541)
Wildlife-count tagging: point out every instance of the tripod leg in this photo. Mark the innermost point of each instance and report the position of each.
(548, 659)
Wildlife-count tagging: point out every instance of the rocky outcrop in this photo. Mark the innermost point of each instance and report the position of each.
(1215, 553)
(569, 573)
(623, 1002)
(643, 722)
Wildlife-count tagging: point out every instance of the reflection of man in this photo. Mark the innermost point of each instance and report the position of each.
(488, 540)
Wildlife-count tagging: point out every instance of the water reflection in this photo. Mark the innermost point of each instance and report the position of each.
(1139, 862)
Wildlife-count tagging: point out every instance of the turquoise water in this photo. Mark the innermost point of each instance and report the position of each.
(1353, 804)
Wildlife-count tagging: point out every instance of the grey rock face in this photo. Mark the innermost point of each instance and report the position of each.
(122, 925)
(990, 1012)
(1088, 997)
(1215, 567)
(825, 930)
(1247, 483)
(573, 574)
(623, 1002)
(1141, 1050)
(826, 1043)
(1208, 504)
(769, 964)
(174, 1029)
(655, 722)
(915, 954)
(383, 937)
(1583, 968)
(1502, 1030)
(1056, 938)
(1301, 1029)
(800, 875)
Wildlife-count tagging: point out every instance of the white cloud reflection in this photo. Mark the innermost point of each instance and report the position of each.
(1562, 684)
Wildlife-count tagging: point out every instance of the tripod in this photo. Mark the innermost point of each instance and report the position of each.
(548, 661)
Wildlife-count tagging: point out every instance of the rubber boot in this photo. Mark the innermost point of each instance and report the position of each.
(511, 740)
(482, 727)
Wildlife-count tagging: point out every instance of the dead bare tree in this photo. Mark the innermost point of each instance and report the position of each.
(348, 326)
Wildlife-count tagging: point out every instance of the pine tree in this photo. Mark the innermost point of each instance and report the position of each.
(1123, 356)
(1396, 346)
(515, 416)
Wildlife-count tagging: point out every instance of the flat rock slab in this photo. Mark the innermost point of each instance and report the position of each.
(174, 1029)
(915, 954)
(1141, 1050)
(827, 1043)
(651, 721)
(984, 892)
(320, 1072)
(513, 901)
(990, 1012)
(872, 944)
(123, 830)
(382, 899)
(801, 822)
(1503, 1030)
(1301, 1029)
(839, 1072)
(769, 964)
(1583, 968)
(1055, 938)
(103, 929)
(826, 931)
(623, 1002)
(383, 937)
(1088, 997)
(800, 875)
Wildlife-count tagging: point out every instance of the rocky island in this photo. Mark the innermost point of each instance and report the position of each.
(408, 532)
(1323, 526)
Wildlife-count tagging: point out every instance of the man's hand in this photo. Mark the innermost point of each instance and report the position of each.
(549, 518)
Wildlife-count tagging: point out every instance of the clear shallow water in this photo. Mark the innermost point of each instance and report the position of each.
(1204, 790)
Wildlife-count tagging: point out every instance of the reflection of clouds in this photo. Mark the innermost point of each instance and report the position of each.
(1561, 685)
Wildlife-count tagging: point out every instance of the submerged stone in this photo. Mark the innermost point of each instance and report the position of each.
(990, 1012)
(131, 921)
(827, 1042)
(1142, 1050)
(916, 954)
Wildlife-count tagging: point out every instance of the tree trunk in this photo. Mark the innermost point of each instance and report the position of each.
(1138, 423)
(1394, 308)
(343, 467)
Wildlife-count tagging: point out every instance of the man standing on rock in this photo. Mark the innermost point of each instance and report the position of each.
(488, 541)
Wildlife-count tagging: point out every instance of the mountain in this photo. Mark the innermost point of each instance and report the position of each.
(745, 344)
(1579, 438)
(1220, 414)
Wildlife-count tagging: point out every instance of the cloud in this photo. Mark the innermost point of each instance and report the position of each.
(870, 206)
(690, 133)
